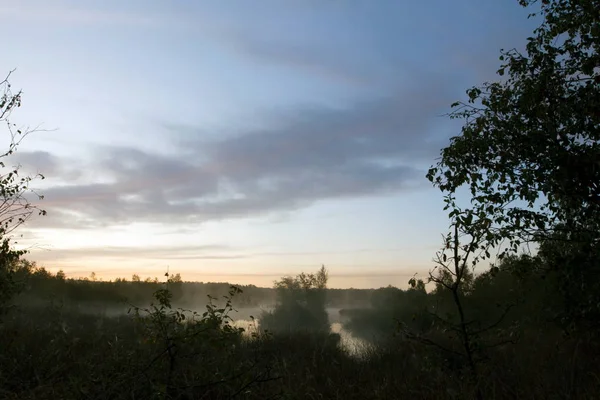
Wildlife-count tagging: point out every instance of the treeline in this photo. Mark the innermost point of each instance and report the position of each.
(517, 296)
(38, 285)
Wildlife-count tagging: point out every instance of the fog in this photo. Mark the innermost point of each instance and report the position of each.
(243, 317)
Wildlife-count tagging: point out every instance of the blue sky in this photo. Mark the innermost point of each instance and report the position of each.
(243, 140)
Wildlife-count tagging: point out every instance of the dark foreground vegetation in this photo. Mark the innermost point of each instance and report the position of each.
(524, 324)
(51, 349)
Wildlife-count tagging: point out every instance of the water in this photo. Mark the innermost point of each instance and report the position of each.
(248, 318)
(353, 345)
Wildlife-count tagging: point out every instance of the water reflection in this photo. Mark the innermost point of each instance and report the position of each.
(243, 318)
(353, 345)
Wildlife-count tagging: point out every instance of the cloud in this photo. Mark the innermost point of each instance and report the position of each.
(321, 61)
(329, 41)
(179, 252)
(369, 45)
(206, 252)
(375, 147)
(36, 159)
(46, 163)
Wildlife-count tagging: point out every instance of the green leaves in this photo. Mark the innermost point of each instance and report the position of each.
(15, 207)
(529, 146)
(300, 303)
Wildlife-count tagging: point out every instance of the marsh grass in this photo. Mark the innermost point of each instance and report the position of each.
(48, 353)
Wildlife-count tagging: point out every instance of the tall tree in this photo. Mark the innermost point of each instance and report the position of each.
(301, 302)
(15, 207)
(529, 150)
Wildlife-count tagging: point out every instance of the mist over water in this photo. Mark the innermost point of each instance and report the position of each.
(247, 318)
(352, 344)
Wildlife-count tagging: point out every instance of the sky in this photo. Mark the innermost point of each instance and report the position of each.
(240, 140)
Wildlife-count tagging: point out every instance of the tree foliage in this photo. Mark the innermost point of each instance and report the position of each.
(529, 153)
(573, 264)
(15, 206)
(300, 304)
(529, 150)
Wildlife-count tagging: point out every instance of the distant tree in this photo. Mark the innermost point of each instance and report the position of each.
(42, 273)
(385, 297)
(135, 278)
(15, 206)
(300, 304)
(419, 286)
(521, 283)
(175, 285)
(571, 265)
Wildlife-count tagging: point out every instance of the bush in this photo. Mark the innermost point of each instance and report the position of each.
(300, 304)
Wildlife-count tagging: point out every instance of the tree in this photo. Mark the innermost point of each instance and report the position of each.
(176, 278)
(452, 276)
(419, 286)
(60, 275)
(529, 150)
(301, 302)
(572, 268)
(15, 207)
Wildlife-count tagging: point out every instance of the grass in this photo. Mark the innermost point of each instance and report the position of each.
(49, 353)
